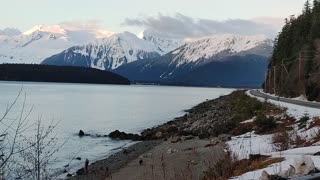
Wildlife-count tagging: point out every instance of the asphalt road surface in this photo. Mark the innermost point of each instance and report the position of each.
(291, 101)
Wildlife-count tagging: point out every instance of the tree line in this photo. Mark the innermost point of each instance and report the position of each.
(294, 66)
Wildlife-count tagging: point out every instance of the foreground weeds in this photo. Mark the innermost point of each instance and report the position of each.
(230, 167)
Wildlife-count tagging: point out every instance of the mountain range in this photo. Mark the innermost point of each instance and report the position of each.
(41, 41)
(218, 60)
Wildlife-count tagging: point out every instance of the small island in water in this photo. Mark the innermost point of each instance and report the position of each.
(64, 74)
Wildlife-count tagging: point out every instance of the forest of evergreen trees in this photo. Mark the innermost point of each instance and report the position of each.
(66, 74)
(295, 63)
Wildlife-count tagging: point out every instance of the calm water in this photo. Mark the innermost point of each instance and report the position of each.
(100, 109)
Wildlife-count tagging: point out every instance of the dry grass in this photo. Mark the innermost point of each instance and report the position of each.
(315, 122)
(242, 128)
(281, 141)
(229, 167)
(246, 165)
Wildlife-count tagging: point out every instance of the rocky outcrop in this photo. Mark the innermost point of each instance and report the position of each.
(125, 136)
(208, 119)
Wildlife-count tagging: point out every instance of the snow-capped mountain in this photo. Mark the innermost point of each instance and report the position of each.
(163, 43)
(9, 32)
(199, 59)
(114, 51)
(41, 42)
(220, 46)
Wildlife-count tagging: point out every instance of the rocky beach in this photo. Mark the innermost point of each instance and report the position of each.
(183, 148)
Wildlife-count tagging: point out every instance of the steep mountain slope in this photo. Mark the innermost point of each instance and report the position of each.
(161, 41)
(233, 71)
(196, 62)
(9, 32)
(114, 51)
(295, 64)
(40, 42)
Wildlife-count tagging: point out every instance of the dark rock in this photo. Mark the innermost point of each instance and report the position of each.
(225, 137)
(175, 139)
(159, 135)
(81, 133)
(172, 129)
(209, 145)
(65, 171)
(81, 172)
(185, 138)
(69, 175)
(204, 135)
(78, 158)
(253, 157)
(124, 136)
(317, 154)
(127, 151)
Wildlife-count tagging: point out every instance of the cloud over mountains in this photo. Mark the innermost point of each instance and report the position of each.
(181, 26)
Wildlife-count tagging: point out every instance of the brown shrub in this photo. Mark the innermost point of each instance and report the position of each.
(315, 122)
(242, 128)
(281, 140)
(229, 167)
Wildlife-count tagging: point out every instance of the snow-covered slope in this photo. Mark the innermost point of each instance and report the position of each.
(40, 42)
(114, 51)
(163, 43)
(9, 32)
(222, 45)
(224, 60)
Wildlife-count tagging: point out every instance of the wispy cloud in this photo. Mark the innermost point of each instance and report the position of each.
(181, 26)
(82, 25)
(93, 26)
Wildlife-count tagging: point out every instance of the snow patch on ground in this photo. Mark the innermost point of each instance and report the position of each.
(292, 109)
(250, 143)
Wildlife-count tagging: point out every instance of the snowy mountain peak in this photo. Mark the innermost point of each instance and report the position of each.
(55, 29)
(163, 43)
(42, 41)
(10, 32)
(114, 51)
(229, 44)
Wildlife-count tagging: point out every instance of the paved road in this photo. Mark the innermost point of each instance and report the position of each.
(291, 101)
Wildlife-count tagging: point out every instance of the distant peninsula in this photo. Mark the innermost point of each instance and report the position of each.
(63, 74)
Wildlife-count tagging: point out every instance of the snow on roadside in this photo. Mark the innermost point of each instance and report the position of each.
(292, 109)
(290, 156)
(250, 143)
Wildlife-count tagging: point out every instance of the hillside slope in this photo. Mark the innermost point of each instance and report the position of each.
(295, 64)
(114, 51)
(221, 60)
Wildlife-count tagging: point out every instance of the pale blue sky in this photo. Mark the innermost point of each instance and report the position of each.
(23, 14)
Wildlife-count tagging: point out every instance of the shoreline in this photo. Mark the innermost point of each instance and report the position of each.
(109, 165)
(187, 138)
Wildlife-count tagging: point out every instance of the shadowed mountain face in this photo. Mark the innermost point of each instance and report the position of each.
(233, 71)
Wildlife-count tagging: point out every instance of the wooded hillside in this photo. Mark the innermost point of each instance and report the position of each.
(294, 69)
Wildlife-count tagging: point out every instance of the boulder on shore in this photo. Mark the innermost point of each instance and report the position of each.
(125, 136)
(81, 172)
(175, 139)
(81, 133)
